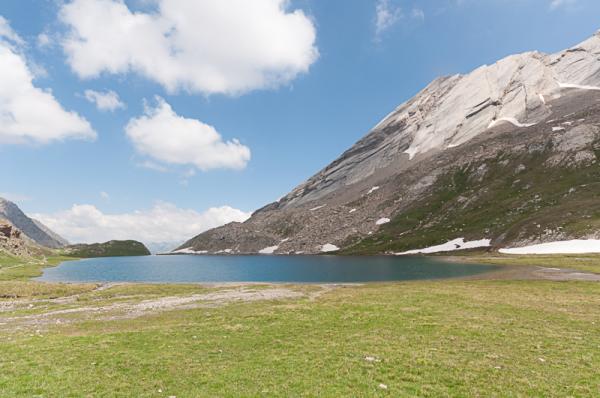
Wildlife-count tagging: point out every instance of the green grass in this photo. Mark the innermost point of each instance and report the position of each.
(504, 203)
(449, 338)
(580, 262)
(443, 338)
(14, 268)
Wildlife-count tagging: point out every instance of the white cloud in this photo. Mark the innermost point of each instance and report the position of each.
(417, 13)
(169, 138)
(165, 222)
(27, 113)
(7, 33)
(208, 46)
(104, 101)
(43, 40)
(386, 16)
(104, 195)
(554, 4)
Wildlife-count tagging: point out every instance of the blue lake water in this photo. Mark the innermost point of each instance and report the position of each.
(306, 269)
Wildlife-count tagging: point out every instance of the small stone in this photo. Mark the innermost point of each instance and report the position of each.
(383, 386)
(541, 360)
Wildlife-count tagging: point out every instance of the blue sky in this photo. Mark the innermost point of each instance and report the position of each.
(302, 101)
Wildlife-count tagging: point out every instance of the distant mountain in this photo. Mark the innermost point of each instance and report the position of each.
(162, 247)
(33, 229)
(508, 152)
(113, 248)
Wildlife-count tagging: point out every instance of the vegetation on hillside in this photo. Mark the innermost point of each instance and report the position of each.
(508, 198)
(113, 248)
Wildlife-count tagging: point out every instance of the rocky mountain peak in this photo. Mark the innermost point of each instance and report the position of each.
(33, 229)
(494, 154)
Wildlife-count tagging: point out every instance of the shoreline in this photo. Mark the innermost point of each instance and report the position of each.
(509, 269)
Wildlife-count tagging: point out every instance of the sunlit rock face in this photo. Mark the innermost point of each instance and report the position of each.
(452, 110)
(513, 120)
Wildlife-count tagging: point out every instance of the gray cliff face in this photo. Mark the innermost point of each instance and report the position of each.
(33, 229)
(532, 105)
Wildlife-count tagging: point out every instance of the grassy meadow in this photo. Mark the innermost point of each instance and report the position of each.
(428, 338)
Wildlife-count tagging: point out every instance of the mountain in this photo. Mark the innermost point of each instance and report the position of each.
(33, 229)
(508, 152)
(113, 248)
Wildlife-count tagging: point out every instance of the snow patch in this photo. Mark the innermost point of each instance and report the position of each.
(578, 86)
(284, 240)
(352, 211)
(558, 128)
(412, 151)
(382, 221)
(375, 188)
(510, 120)
(268, 250)
(558, 247)
(189, 250)
(329, 248)
(542, 98)
(317, 208)
(456, 244)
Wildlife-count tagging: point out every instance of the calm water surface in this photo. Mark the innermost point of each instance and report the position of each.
(311, 269)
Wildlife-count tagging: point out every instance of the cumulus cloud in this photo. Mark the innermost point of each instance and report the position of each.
(207, 46)
(28, 113)
(386, 16)
(165, 222)
(43, 40)
(6, 32)
(554, 4)
(169, 138)
(104, 100)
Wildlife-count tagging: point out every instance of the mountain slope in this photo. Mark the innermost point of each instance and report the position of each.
(508, 152)
(113, 248)
(33, 229)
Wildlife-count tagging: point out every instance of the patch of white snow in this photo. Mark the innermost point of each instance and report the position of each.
(578, 86)
(317, 208)
(375, 188)
(329, 248)
(412, 151)
(382, 221)
(352, 211)
(456, 244)
(558, 128)
(558, 247)
(189, 250)
(542, 98)
(510, 120)
(268, 250)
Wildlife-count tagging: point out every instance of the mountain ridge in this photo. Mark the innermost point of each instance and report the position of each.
(32, 229)
(450, 125)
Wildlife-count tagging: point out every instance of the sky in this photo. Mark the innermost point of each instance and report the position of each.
(158, 119)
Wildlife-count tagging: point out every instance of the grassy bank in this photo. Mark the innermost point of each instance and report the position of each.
(580, 262)
(442, 338)
(450, 338)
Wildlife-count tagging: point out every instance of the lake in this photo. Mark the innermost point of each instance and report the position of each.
(300, 269)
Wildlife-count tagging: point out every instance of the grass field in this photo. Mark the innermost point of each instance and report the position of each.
(580, 262)
(443, 338)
